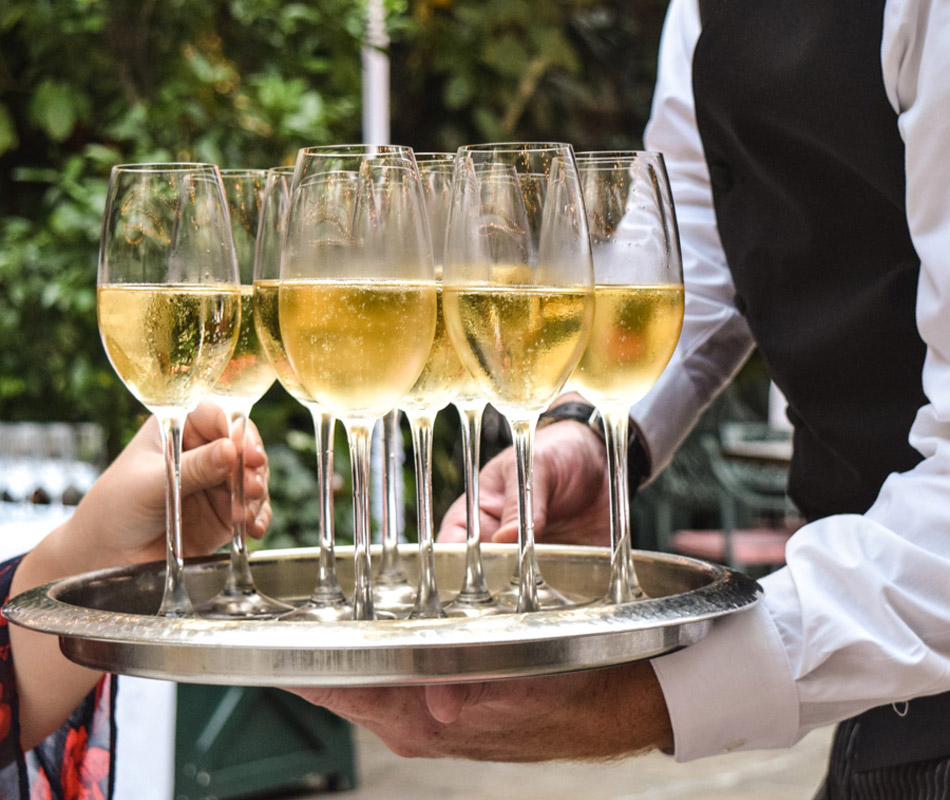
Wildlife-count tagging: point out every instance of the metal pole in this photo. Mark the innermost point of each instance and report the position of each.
(376, 76)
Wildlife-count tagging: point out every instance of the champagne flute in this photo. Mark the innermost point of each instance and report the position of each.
(169, 310)
(474, 597)
(638, 290)
(441, 378)
(392, 591)
(518, 302)
(327, 601)
(244, 381)
(357, 302)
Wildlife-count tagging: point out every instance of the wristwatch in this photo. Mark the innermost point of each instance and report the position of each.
(638, 462)
(584, 413)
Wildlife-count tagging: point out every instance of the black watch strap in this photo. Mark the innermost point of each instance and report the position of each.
(575, 410)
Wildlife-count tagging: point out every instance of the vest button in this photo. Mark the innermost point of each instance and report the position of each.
(720, 174)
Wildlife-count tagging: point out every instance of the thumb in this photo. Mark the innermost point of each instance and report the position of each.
(206, 466)
(508, 525)
(445, 701)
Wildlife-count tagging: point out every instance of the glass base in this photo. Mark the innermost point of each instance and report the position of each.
(248, 604)
(397, 598)
(548, 598)
(319, 611)
(475, 606)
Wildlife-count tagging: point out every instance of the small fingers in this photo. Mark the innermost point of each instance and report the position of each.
(205, 424)
(207, 466)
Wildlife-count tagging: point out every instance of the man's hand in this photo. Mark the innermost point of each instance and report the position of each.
(569, 493)
(597, 714)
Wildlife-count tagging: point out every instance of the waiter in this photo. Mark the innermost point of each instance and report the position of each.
(808, 146)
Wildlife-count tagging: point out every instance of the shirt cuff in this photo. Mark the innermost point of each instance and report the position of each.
(732, 690)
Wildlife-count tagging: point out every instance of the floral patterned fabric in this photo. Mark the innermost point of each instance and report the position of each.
(74, 763)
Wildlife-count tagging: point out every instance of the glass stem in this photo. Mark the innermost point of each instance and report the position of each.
(358, 434)
(427, 594)
(175, 600)
(327, 589)
(390, 569)
(239, 580)
(624, 586)
(522, 432)
(474, 586)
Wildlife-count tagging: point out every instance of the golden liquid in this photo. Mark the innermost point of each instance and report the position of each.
(248, 374)
(168, 343)
(267, 320)
(634, 334)
(519, 342)
(443, 374)
(357, 346)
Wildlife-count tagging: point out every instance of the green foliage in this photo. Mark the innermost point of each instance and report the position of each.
(580, 71)
(86, 84)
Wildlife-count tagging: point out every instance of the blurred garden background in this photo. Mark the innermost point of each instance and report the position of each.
(86, 84)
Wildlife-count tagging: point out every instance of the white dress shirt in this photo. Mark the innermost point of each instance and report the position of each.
(860, 616)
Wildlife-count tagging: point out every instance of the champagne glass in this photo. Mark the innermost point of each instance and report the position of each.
(441, 378)
(473, 598)
(638, 290)
(244, 381)
(357, 301)
(392, 591)
(327, 601)
(518, 302)
(169, 310)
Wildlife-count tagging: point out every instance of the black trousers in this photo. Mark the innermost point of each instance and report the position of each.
(886, 755)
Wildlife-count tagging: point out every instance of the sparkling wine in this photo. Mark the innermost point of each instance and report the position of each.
(519, 342)
(357, 346)
(168, 343)
(249, 373)
(443, 374)
(633, 335)
(267, 320)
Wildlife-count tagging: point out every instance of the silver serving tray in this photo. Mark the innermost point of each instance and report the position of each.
(106, 620)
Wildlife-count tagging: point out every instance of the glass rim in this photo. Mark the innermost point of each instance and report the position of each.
(616, 153)
(514, 147)
(167, 166)
(245, 172)
(604, 158)
(283, 169)
(353, 149)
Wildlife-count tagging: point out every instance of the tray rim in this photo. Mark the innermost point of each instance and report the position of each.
(72, 620)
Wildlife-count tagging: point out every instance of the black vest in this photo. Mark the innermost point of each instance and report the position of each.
(807, 170)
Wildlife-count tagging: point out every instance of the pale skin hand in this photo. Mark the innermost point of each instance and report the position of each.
(570, 491)
(598, 714)
(122, 521)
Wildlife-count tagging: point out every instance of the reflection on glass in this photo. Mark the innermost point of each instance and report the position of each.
(169, 310)
(518, 302)
(357, 301)
(326, 601)
(638, 287)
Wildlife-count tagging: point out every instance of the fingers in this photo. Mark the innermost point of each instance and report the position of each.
(207, 466)
(254, 454)
(205, 424)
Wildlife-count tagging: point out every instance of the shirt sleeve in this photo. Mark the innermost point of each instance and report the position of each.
(715, 340)
(859, 616)
(76, 760)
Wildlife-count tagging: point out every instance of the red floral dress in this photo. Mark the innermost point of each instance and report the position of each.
(75, 762)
